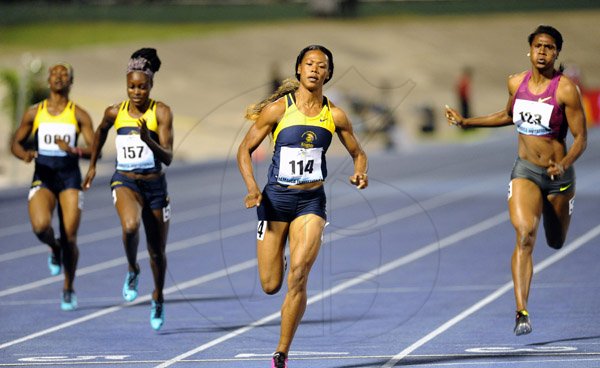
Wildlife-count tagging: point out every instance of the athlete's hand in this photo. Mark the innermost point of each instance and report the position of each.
(253, 199)
(453, 117)
(63, 145)
(360, 180)
(555, 170)
(30, 156)
(144, 132)
(89, 177)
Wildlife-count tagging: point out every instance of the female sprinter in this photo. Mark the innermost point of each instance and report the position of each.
(55, 124)
(292, 204)
(543, 104)
(144, 142)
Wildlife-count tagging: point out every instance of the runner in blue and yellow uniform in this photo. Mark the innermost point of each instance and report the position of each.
(543, 104)
(55, 125)
(144, 142)
(292, 204)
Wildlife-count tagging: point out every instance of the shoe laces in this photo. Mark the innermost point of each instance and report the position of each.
(67, 295)
(131, 280)
(279, 359)
(158, 308)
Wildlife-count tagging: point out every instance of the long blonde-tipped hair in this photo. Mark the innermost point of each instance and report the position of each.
(288, 85)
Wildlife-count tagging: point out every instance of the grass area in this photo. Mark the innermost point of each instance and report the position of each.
(68, 35)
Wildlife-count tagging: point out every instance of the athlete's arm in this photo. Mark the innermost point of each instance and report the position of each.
(87, 131)
(569, 96)
(108, 120)
(497, 119)
(344, 130)
(267, 119)
(21, 134)
(163, 149)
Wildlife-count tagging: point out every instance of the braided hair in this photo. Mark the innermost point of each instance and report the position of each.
(144, 60)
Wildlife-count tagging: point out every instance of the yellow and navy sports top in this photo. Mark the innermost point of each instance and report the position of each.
(300, 145)
(132, 153)
(47, 128)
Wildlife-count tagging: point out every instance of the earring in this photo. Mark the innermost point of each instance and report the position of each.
(528, 54)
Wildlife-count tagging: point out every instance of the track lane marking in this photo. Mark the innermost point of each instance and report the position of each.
(574, 245)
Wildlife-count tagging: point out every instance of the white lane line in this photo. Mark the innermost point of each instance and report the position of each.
(115, 232)
(69, 360)
(172, 247)
(234, 230)
(591, 234)
(422, 252)
(416, 208)
(142, 299)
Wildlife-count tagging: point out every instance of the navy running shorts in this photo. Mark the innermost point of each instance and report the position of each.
(283, 204)
(153, 191)
(56, 180)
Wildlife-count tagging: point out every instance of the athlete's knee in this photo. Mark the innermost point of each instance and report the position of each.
(555, 242)
(157, 257)
(41, 228)
(525, 237)
(271, 284)
(130, 227)
(298, 277)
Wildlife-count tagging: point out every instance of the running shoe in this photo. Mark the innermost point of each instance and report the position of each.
(157, 315)
(279, 360)
(54, 263)
(69, 300)
(130, 286)
(522, 323)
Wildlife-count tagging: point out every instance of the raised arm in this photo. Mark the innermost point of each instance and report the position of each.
(346, 135)
(267, 119)
(497, 119)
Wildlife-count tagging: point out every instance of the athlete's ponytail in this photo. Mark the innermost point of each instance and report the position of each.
(287, 86)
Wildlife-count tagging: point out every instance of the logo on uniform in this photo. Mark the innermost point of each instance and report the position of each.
(309, 138)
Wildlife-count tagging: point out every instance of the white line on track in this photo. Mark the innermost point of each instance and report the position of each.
(115, 232)
(420, 253)
(238, 229)
(591, 234)
(523, 359)
(175, 246)
(416, 208)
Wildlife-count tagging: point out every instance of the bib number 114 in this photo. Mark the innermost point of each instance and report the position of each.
(302, 167)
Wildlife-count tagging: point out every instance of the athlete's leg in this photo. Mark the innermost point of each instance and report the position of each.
(69, 212)
(305, 241)
(129, 208)
(557, 217)
(270, 247)
(41, 206)
(525, 208)
(156, 226)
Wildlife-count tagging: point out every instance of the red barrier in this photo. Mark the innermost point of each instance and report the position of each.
(591, 105)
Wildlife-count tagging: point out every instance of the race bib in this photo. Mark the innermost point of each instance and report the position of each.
(532, 117)
(133, 153)
(299, 165)
(47, 135)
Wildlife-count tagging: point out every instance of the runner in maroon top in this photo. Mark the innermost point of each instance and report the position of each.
(543, 104)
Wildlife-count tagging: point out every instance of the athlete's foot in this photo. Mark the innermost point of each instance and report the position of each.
(157, 315)
(130, 286)
(279, 360)
(522, 323)
(54, 264)
(69, 300)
